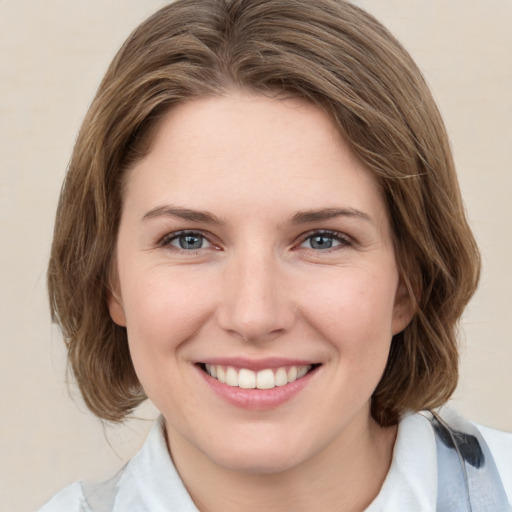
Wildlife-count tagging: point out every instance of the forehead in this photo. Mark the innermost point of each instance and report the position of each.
(254, 150)
(242, 123)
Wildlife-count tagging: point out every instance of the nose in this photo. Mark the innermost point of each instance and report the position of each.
(255, 304)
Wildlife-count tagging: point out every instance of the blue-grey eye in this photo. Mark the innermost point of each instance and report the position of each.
(323, 241)
(190, 241)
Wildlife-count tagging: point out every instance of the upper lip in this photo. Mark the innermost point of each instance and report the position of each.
(257, 364)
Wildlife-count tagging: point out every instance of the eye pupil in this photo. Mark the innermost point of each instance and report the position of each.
(321, 242)
(190, 242)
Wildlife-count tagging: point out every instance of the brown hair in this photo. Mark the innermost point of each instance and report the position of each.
(329, 53)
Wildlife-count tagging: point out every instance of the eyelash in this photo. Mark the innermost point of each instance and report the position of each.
(167, 239)
(343, 240)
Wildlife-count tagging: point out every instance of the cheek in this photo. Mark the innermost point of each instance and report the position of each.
(353, 305)
(163, 309)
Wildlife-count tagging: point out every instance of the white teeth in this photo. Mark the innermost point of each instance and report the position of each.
(301, 371)
(221, 374)
(281, 377)
(246, 379)
(264, 379)
(231, 377)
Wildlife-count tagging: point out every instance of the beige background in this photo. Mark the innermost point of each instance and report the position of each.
(53, 54)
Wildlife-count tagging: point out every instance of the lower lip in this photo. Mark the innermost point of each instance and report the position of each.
(257, 399)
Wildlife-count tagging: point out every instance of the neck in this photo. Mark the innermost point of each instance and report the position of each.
(345, 476)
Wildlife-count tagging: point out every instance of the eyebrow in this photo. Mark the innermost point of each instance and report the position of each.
(183, 213)
(301, 217)
(308, 216)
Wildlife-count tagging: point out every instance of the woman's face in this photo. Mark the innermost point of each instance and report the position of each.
(254, 248)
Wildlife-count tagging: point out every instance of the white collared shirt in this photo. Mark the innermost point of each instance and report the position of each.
(150, 482)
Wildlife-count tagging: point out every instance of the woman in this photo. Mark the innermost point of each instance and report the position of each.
(261, 230)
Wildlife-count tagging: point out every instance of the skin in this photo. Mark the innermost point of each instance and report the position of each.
(259, 287)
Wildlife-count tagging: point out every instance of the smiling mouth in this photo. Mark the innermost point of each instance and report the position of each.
(264, 379)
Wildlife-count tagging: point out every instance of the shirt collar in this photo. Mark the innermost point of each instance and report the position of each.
(150, 481)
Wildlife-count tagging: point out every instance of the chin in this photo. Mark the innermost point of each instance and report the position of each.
(265, 454)
(258, 462)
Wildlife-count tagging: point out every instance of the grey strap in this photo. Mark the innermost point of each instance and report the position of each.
(468, 479)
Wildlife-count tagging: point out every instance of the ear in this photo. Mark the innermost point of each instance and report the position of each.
(403, 309)
(115, 303)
